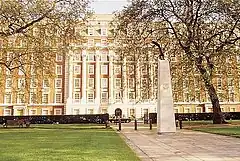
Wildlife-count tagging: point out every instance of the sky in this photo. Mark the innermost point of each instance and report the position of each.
(107, 6)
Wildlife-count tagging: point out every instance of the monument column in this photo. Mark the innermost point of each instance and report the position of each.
(165, 112)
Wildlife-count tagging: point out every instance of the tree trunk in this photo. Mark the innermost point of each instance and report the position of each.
(217, 114)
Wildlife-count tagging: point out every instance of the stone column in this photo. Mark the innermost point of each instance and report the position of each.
(97, 78)
(84, 77)
(70, 84)
(165, 111)
(125, 88)
(111, 77)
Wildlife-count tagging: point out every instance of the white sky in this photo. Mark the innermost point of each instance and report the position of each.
(107, 6)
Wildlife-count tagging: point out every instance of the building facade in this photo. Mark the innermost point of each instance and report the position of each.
(90, 79)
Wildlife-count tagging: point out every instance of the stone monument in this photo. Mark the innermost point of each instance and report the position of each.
(165, 112)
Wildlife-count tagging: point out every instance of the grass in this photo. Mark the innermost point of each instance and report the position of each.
(230, 129)
(63, 143)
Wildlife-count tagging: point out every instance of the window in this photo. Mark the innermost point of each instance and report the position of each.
(230, 82)
(103, 32)
(33, 71)
(104, 56)
(58, 111)
(20, 71)
(76, 111)
(90, 57)
(144, 70)
(173, 58)
(186, 97)
(132, 112)
(118, 96)
(77, 69)
(59, 57)
(90, 31)
(175, 110)
(238, 59)
(186, 110)
(90, 97)
(104, 82)
(58, 83)
(33, 97)
(77, 95)
(104, 69)
(91, 69)
(8, 97)
(8, 83)
(104, 97)
(117, 69)
(104, 42)
(118, 82)
(90, 42)
(32, 112)
(45, 98)
(219, 83)
(104, 111)
(33, 83)
(21, 83)
(131, 83)
(91, 82)
(197, 82)
(44, 112)
(198, 110)
(233, 109)
(197, 96)
(59, 70)
(58, 98)
(220, 96)
(7, 112)
(77, 57)
(231, 97)
(185, 83)
(45, 83)
(175, 97)
(144, 82)
(20, 98)
(131, 96)
(8, 72)
(77, 83)
(90, 111)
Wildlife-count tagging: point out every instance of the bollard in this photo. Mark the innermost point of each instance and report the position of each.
(119, 125)
(180, 123)
(150, 124)
(106, 124)
(135, 125)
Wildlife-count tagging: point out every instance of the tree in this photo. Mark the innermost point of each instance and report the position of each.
(32, 33)
(203, 31)
(35, 26)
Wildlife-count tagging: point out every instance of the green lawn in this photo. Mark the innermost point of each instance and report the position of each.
(63, 143)
(229, 131)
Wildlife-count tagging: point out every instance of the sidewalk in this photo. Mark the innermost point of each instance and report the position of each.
(184, 145)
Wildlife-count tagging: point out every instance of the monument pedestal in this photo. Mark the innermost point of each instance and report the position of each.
(165, 112)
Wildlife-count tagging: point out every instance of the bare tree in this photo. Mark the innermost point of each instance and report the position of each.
(203, 31)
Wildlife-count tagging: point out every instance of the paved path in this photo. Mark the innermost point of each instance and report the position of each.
(184, 145)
